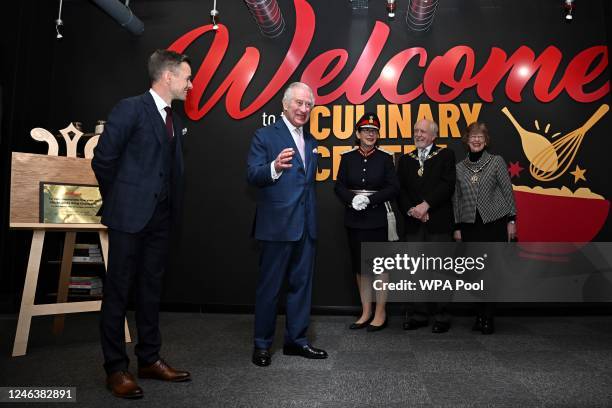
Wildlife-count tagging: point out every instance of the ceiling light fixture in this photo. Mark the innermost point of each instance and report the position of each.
(59, 22)
(568, 7)
(214, 14)
(268, 16)
(420, 14)
(391, 8)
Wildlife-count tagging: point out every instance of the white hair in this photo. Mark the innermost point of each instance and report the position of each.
(289, 92)
(433, 127)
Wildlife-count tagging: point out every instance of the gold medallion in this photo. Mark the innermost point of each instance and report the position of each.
(420, 171)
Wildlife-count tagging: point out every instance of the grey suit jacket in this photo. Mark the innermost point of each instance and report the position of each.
(491, 195)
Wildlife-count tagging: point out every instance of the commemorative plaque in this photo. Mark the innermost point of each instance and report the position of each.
(69, 203)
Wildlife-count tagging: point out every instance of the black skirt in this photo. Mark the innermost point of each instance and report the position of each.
(356, 236)
(494, 231)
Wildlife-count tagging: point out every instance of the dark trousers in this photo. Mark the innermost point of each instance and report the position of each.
(293, 260)
(494, 231)
(134, 259)
(356, 236)
(422, 310)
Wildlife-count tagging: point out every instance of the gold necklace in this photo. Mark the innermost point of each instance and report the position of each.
(421, 169)
(474, 177)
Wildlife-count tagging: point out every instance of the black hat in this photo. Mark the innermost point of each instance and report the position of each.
(369, 120)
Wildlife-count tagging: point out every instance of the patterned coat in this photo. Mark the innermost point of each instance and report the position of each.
(484, 186)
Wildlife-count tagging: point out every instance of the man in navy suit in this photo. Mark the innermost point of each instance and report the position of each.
(139, 166)
(282, 163)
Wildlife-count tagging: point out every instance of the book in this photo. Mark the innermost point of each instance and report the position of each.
(86, 292)
(87, 252)
(88, 259)
(85, 285)
(85, 282)
(86, 246)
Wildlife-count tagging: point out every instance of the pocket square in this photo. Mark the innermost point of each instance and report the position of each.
(184, 131)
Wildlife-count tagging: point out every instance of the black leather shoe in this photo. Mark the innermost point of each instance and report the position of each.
(261, 357)
(440, 327)
(372, 328)
(357, 326)
(306, 351)
(413, 324)
(487, 325)
(478, 323)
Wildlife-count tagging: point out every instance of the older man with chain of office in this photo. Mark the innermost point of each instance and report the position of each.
(427, 182)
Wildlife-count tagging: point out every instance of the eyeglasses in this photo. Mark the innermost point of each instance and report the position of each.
(476, 137)
(368, 131)
(301, 103)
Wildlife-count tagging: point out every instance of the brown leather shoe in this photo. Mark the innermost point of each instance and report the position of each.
(159, 370)
(123, 385)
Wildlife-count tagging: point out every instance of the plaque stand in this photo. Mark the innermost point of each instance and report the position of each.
(27, 171)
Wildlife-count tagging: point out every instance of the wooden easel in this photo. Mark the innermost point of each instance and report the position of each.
(27, 171)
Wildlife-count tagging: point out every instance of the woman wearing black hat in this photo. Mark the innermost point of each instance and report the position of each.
(366, 180)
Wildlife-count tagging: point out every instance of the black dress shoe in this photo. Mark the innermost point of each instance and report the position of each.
(478, 323)
(372, 328)
(261, 357)
(306, 351)
(357, 326)
(413, 324)
(440, 327)
(487, 325)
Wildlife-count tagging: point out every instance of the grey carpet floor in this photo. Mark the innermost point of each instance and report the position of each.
(528, 362)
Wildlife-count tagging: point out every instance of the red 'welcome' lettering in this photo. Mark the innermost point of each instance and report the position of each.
(441, 81)
(238, 79)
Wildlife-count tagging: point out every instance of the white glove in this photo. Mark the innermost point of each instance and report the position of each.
(360, 202)
(365, 202)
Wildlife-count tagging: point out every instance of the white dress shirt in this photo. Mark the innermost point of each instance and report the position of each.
(292, 130)
(160, 104)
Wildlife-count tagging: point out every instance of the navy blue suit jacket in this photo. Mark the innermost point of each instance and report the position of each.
(128, 164)
(286, 207)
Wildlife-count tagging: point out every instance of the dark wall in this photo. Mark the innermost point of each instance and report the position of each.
(26, 44)
(97, 63)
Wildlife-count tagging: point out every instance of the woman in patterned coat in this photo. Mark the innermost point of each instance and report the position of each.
(483, 203)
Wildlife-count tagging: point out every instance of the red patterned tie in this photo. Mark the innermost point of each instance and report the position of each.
(169, 124)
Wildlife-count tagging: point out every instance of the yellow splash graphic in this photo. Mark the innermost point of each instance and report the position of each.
(549, 160)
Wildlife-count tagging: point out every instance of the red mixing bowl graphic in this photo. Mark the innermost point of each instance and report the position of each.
(553, 215)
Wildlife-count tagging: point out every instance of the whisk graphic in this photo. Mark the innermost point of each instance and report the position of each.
(548, 161)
